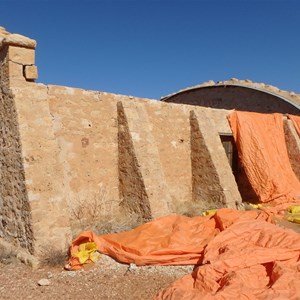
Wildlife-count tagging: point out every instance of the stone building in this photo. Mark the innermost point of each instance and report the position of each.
(72, 158)
(244, 95)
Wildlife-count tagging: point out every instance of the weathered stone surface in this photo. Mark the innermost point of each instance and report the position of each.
(145, 155)
(19, 40)
(31, 72)
(15, 214)
(213, 181)
(1, 40)
(21, 55)
(87, 136)
(131, 182)
(172, 140)
(3, 31)
(3, 34)
(14, 251)
(48, 204)
(15, 71)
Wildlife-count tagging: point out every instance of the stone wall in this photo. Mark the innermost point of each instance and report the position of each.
(128, 146)
(92, 156)
(73, 159)
(15, 213)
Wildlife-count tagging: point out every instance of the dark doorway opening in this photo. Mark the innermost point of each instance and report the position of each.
(231, 152)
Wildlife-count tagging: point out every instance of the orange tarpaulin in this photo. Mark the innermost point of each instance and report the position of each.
(251, 259)
(239, 255)
(262, 150)
(170, 240)
(296, 122)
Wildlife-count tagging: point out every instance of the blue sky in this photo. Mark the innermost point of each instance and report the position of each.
(150, 48)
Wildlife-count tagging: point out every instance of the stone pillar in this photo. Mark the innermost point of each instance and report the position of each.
(35, 165)
(212, 179)
(142, 181)
(20, 56)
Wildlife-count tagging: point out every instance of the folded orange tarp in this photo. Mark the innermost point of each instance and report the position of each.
(251, 259)
(240, 255)
(296, 122)
(262, 150)
(170, 240)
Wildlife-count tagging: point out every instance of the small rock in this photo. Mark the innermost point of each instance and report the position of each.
(132, 267)
(43, 282)
(49, 275)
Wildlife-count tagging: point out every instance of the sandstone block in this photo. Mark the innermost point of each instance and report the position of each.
(31, 72)
(20, 55)
(3, 31)
(19, 40)
(15, 70)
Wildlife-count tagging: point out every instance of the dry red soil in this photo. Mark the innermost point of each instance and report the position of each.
(106, 279)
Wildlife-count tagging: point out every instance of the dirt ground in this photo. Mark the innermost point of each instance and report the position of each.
(104, 280)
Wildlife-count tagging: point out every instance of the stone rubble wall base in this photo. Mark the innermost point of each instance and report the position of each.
(10, 251)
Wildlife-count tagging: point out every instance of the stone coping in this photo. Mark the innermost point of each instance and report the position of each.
(15, 39)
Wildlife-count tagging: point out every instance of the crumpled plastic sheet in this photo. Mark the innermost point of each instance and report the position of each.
(262, 150)
(238, 255)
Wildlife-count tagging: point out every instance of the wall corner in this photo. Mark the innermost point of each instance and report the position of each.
(17, 56)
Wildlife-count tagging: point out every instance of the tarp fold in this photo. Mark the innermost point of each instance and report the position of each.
(262, 150)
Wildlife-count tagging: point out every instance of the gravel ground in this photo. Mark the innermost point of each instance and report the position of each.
(106, 279)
